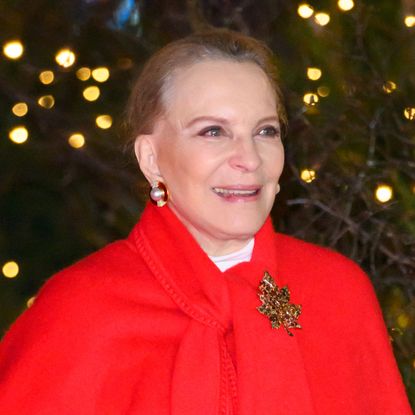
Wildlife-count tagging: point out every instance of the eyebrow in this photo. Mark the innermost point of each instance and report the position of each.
(221, 120)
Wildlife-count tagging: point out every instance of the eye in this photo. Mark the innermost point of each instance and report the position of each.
(269, 131)
(212, 131)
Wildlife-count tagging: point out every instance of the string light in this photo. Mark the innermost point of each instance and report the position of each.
(409, 113)
(310, 98)
(10, 269)
(314, 73)
(384, 193)
(20, 109)
(323, 91)
(19, 134)
(65, 57)
(76, 140)
(47, 101)
(322, 18)
(30, 301)
(389, 87)
(308, 175)
(13, 49)
(104, 121)
(345, 5)
(305, 10)
(101, 74)
(46, 77)
(409, 21)
(83, 74)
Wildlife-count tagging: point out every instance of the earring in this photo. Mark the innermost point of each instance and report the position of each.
(278, 188)
(158, 194)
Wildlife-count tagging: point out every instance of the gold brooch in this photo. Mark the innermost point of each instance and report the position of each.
(276, 305)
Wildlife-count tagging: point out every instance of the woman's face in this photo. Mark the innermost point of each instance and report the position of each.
(218, 150)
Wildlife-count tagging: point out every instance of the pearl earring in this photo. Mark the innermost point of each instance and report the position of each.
(158, 194)
(278, 188)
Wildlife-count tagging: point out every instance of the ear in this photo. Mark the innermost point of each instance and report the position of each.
(146, 153)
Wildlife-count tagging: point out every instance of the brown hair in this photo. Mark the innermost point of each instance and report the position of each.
(146, 100)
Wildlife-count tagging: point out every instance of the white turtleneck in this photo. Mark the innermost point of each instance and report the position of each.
(225, 262)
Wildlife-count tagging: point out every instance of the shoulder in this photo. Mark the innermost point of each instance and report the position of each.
(322, 269)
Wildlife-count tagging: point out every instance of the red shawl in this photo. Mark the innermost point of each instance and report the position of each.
(149, 325)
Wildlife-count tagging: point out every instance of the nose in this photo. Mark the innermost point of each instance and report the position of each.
(245, 156)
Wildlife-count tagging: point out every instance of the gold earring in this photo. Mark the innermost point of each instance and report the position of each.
(158, 194)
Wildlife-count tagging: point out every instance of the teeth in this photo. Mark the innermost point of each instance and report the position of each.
(236, 192)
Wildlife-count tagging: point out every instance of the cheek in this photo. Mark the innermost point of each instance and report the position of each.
(274, 161)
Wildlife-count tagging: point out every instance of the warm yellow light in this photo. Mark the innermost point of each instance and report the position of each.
(46, 77)
(323, 91)
(310, 98)
(322, 18)
(76, 140)
(409, 113)
(403, 320)
(389, 87)
(314, 73)
(83, 74)
(308, 175)
(47, 101)
(19, 134)
(410, 21)
(345, 5)
(91, 93)
(65, 57)
(384, 193)
(104, 121)
(30, 301)
(305, 10)
(10, 269)
(101, 74)
(13, 49)
(20, 109)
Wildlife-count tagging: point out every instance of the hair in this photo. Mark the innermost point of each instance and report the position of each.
(147, 100)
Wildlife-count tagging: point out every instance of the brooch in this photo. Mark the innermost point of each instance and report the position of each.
(276, 305)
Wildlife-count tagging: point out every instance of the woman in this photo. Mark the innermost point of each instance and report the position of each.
(188, 315)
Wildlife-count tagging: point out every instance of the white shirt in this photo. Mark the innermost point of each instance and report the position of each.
(225, 262)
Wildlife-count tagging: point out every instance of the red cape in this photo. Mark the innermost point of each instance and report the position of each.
(149, 325)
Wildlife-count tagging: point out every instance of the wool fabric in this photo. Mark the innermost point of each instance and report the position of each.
(149, 325)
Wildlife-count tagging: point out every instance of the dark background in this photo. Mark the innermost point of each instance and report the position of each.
(58, 203)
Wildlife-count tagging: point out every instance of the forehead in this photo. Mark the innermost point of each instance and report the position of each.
(220, 85)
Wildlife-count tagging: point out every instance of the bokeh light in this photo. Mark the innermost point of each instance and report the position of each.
(47, 101)
(83, 74)
(76, 140)
(10, 269)
(384, 193)
(20, 109)
(409, 113)
(30, 301)
(345, 5)
(389, 87)
(91, 93)
(101, 74)
(104, 121)
(305, 10)
(310, 98)
(308, 175)
(19, 134)
(65, 57)
(314, 73)
(409, 21)
(13, 49)
(322, 18)
(323, 91)
(46, 77)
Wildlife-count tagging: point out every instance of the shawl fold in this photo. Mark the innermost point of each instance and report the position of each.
(150, 325)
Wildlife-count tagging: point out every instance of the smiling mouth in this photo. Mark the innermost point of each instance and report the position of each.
(226, 192)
